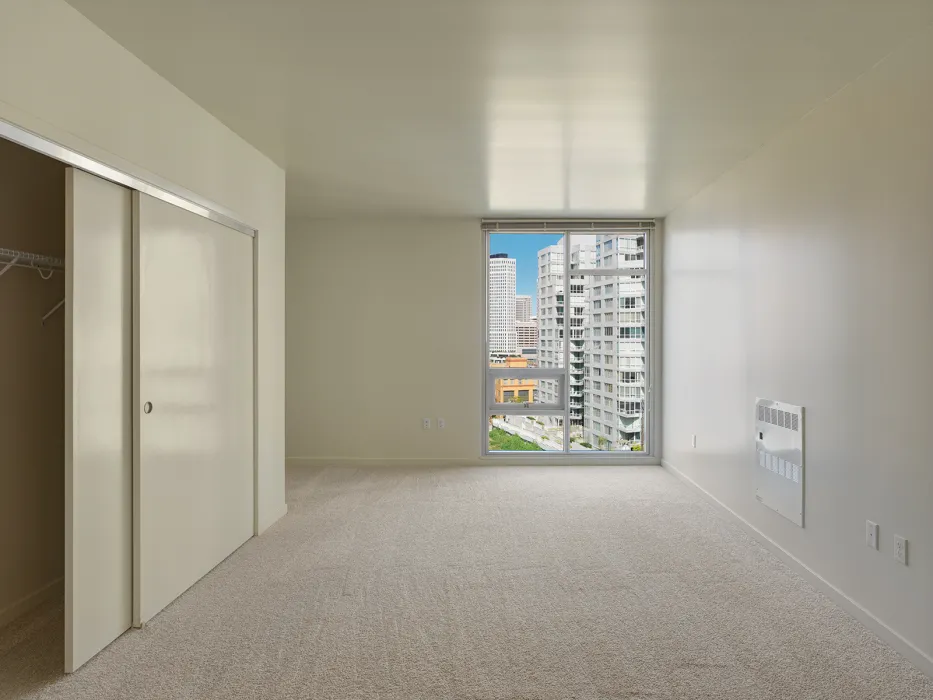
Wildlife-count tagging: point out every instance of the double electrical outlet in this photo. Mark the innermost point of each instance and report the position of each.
(426, 423)
(872, 540)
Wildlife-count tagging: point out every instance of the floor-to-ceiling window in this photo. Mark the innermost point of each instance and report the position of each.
(567, 352)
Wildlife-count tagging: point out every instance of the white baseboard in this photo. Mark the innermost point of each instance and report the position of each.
(892, 638)
(50, 591)
(379, 462)
(538, 460)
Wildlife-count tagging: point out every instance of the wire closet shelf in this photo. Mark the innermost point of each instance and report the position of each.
(20, 258)
(45, 265)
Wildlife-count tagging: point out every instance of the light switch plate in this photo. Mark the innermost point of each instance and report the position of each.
(871, 534)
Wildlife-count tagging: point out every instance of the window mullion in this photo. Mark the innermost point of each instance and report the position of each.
(568, 305)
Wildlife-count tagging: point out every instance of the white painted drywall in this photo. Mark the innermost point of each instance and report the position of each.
(804, 275)
(62, 77)
(32, 396)
(384, 327)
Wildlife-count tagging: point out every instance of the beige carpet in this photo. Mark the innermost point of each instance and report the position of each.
(484, 584)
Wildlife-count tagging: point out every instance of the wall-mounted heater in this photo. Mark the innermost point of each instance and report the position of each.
(779, 466)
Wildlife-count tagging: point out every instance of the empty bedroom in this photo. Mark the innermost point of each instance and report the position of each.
(408, 350)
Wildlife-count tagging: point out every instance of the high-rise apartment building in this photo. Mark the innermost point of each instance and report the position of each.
(550, 316)
(614, 357)
(581, 256)
(502, 335)
(606, 320)
(522, 308)
(554, 306)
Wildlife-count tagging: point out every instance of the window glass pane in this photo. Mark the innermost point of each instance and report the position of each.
(526, 433)
(526, 391)
(618, 251)
(539, 308)
(526, 299)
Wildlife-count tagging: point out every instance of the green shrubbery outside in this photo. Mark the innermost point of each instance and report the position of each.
(500, 439)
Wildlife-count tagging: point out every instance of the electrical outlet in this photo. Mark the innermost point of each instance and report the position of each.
(426, 423)
(441, 424)
(693, 440)
(900, 549)
(871, 534)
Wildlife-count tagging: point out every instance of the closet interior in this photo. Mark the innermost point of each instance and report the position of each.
(32, 409)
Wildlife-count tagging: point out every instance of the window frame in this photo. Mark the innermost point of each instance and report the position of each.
(650, 429)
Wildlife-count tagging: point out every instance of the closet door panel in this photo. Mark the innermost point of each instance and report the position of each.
(98, 415)
(194, 399)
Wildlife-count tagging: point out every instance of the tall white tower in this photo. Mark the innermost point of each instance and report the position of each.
(502, 335)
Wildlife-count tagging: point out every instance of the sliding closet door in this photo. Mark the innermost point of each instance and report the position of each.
(98, 411)
(194, 399)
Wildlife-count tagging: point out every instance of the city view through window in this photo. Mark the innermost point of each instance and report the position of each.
(592, 391)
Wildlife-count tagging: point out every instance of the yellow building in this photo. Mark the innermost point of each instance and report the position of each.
(517, 390)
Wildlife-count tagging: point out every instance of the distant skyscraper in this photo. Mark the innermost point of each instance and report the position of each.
(527, 332)
(522, 308)
(502, 334)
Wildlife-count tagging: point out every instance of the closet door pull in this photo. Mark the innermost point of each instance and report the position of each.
(147, 407)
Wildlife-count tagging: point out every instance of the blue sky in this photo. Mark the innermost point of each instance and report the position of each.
(524, 248)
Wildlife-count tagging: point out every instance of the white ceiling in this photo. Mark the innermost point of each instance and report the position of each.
(476, 107)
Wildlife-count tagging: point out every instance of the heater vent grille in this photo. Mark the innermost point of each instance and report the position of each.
(779, 417)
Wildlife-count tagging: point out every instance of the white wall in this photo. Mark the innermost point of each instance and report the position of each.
(384, 327)
(804, 275)
(63, 78)
(32, 385)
